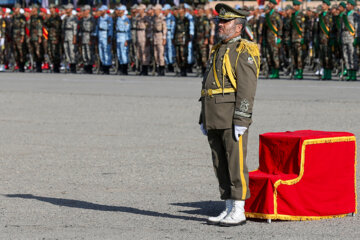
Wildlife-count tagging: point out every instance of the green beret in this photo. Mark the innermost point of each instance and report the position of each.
(17, 5)
(273, 1)
(327, 2)
(352, 2)
(297, 2)
(228, 13)
(343, 4)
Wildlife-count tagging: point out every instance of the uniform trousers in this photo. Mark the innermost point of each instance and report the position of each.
(350, 56)
(87, 53)
(105, 52)
(229, 161)
(159, 54)
(169, 51)
(122, 52)
(69, 49)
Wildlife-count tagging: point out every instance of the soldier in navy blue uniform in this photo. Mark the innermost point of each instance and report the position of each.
(123, 38)
(104, 31)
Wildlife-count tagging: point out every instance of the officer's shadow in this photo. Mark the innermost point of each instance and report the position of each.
(205, 208)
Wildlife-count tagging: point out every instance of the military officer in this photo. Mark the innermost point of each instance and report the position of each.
(104, 31)
(227, 98)
(159, 38)
(326, 39)
(272, 36)
(286, 38)
(123, 38)
(202, 38)
(169, 47)
(18, 36)
(350, 39)
(54, 29)
(87, 25)
(181, 38)
(69, 29)
(297, 38)
(142, 43)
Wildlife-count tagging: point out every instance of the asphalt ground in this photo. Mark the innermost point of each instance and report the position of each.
(112, 157)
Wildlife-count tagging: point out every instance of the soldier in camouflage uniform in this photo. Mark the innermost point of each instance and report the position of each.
(272, 35)
(326, 40)
(350, 33)
(202, 36)
(87, 27)
(36, 24)
(3, 25)
(18, 37)
(132, 43)
(297, 39)
(339, 21)
(53, 25)
(286, 37)
(69, 32)
(181, 39)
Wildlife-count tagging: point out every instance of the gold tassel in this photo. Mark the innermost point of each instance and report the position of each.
(253, 50)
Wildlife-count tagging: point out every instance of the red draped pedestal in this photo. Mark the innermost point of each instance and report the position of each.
(303, 175)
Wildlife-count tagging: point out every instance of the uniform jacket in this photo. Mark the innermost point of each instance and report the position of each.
(223, 111)
(122, 28)
(36, 24)
(159, 29)
(54, 27)
(297, 26)
(69, 28)
(350, 26)
(272, 26)
(87, 29)
(18, 27)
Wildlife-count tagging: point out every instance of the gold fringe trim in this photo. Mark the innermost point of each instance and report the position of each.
(252, 49)
(291, 218)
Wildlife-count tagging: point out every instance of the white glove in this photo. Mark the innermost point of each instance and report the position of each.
(239, 130)
(203, 129)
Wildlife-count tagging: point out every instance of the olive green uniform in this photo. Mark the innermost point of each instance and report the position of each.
(54, 29)
(227, 100)
(202, 41)
(36, 24)
(18, 33)
(297, 38)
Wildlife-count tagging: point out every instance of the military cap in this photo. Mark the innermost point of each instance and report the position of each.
(343, 4)
(69, 6)
(297, 2)
(141, 7)
(288, 7)
(334, 6)
(34, 6)
(246, 8)
(17, 5)
(251, 8)
(207, 7)
(52, 5)
(166, 7)
(266, 8)
(200, 6)
(327, 2)
(157, 7)
(86, 7)
(135, 6)
(103, 8)
(237, 7)
(352, 2)
(273, 1)
(319, 9)
(228, 13)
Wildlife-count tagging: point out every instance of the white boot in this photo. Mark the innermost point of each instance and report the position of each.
(215, 220)
(236, 216)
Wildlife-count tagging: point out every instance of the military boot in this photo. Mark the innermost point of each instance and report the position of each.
(170, 68)
(271, 76)
(73, 68)
(353, 77)
(228, 207)
(296, 74)
(300, 74)
(349, 75)
(124, 69)
(161, 71)
(276, 74)
(236, 216)
(21, 67)
(56, 68)
(328, 74)
(38, 67)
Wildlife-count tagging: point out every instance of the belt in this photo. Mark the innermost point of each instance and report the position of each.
(140, 29)
(210, 92)
(121, 31)
(102, 29)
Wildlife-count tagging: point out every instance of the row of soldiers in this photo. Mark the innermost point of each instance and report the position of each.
(288, 37)
(171, 38)
(177, 38)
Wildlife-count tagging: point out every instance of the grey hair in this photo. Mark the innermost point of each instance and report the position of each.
(241, 21)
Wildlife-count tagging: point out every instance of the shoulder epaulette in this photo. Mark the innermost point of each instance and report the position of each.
(252, 49)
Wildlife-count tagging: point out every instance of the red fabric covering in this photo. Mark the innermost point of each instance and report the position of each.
(326, 188)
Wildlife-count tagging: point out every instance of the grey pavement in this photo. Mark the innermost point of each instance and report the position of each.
(111, 157)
